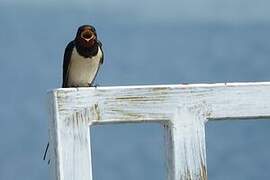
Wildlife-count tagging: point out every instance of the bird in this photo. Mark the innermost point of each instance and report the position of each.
(82, 58)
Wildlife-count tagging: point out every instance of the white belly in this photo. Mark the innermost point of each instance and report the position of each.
(82, 71)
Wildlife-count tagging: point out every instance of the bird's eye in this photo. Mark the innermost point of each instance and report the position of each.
(93, 29)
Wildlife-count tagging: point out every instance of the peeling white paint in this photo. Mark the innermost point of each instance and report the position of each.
(183, 109)
(185, 137)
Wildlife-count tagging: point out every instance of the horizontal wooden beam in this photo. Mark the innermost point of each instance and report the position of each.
(159, 102)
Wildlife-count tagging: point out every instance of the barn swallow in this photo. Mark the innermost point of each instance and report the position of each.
(82, 59)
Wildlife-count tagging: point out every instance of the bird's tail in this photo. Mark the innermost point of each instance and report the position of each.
(45, 153)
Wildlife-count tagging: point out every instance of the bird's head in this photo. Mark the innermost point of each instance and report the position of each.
(86, 36)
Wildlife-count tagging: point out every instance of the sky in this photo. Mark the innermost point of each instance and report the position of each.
(232, 11)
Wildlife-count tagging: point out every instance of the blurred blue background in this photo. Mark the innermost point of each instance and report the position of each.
(145, 42)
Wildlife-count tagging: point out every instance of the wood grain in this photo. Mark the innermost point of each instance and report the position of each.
(183, 109)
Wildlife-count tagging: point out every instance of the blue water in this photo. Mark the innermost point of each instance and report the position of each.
(137, 51)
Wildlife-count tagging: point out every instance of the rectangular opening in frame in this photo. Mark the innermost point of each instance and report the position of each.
(238, 149)
(133, 151)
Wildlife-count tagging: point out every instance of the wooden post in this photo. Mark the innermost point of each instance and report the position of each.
(185, 144)
(183, 109)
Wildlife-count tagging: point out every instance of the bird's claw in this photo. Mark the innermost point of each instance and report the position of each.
(93, 85)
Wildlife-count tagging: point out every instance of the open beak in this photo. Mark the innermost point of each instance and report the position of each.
(87, 35)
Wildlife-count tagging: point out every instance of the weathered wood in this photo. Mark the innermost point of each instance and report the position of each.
(182, 108)
(70, 144)
(185, 145)
(140, 103)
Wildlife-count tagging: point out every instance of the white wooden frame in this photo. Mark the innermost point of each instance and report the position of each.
(183, 109)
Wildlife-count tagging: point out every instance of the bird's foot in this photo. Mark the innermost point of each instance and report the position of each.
(93, 85)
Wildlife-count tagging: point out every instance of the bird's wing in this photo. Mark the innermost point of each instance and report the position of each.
(66, 63)
(100, 62)
(102, 57)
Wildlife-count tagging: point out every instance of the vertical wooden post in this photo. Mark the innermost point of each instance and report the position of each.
(70, 150)
(185, 145)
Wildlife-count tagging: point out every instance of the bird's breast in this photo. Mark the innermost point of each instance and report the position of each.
(82, 71)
